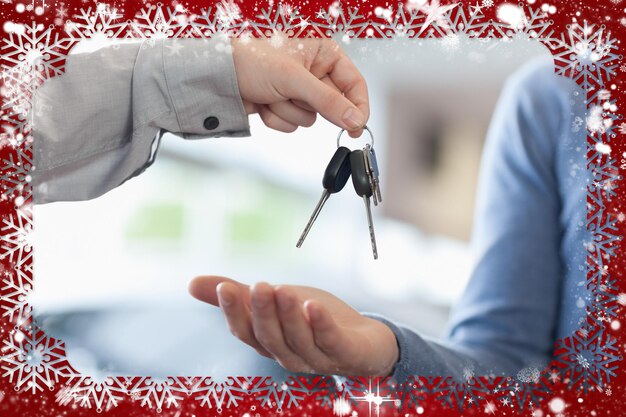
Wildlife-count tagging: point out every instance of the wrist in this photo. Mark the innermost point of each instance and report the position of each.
(394, 353)
(385, 348)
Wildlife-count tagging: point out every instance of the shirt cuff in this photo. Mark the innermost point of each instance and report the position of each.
(202, 83)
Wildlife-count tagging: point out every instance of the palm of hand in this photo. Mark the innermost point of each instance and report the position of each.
(317, 333)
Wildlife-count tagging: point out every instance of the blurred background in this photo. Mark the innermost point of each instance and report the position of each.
(112, 273)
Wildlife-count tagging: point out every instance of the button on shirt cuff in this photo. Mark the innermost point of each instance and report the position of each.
(202, 84)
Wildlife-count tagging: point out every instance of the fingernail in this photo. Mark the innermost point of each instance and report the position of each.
(225, 299)
(314, 313)
(352, 118)
(284, 303)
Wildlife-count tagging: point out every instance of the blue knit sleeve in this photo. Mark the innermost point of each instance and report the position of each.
(509, 313)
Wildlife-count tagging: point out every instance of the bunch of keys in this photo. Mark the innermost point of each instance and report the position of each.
(362, 166)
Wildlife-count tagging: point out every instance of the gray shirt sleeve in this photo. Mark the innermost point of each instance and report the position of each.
(97, 125)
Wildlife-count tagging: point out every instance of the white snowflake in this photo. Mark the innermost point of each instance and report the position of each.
(487, 3)
(16, 234)
(61, 11)
(288, 393)
(158, 23)
(582, 361)
(577, 123)
(218, 395)
(340, 21)
(281, 18)
(590, 359)
(587, 54)
(530, 23)
(212, 23)
(17, 93)
(96, 25)
(15, 170)
(228, 12)
(153, 393)
(13, 299)
(454, 393)
(34, 49)
(528, 388)
(468, 373)
(595, 120)
(31, 54)
(33, 361)
(529, 375)
(440, 21)
(88, 393)
(436, 15)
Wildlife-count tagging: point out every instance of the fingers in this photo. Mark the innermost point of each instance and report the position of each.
(303, 105)
(286, 116)
(266, 75)
(273, 121)
(328, 336)
(329, 82)
(332, 62)
(304, 86)
(293, 114)
(296, 329)
(204, 288)
(351, 83)
(238, 315)
(275, 322)
(267, 329)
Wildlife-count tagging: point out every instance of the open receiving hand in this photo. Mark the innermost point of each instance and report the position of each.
(289, 81)
(304, 329)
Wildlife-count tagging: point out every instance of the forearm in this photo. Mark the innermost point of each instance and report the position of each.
(508, 315)
(95, 126)
(419, 355)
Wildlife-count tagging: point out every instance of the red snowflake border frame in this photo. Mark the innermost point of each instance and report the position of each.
(35, 364)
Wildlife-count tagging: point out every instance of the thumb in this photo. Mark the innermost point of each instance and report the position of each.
(204, 288)
(325, 100)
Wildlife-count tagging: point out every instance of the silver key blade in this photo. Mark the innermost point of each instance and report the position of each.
(377, 192)
(370, 223)
(316, 212)
(369, 156)
(370, 173)
(376, 178)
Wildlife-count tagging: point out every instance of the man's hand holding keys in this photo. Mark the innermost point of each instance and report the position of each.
(289, 82)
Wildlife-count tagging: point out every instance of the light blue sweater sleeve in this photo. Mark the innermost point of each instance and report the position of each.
(509, 314)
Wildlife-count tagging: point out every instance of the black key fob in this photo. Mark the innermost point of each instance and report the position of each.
(338, 171)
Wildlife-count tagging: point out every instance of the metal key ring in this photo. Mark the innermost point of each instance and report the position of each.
(364, 127)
